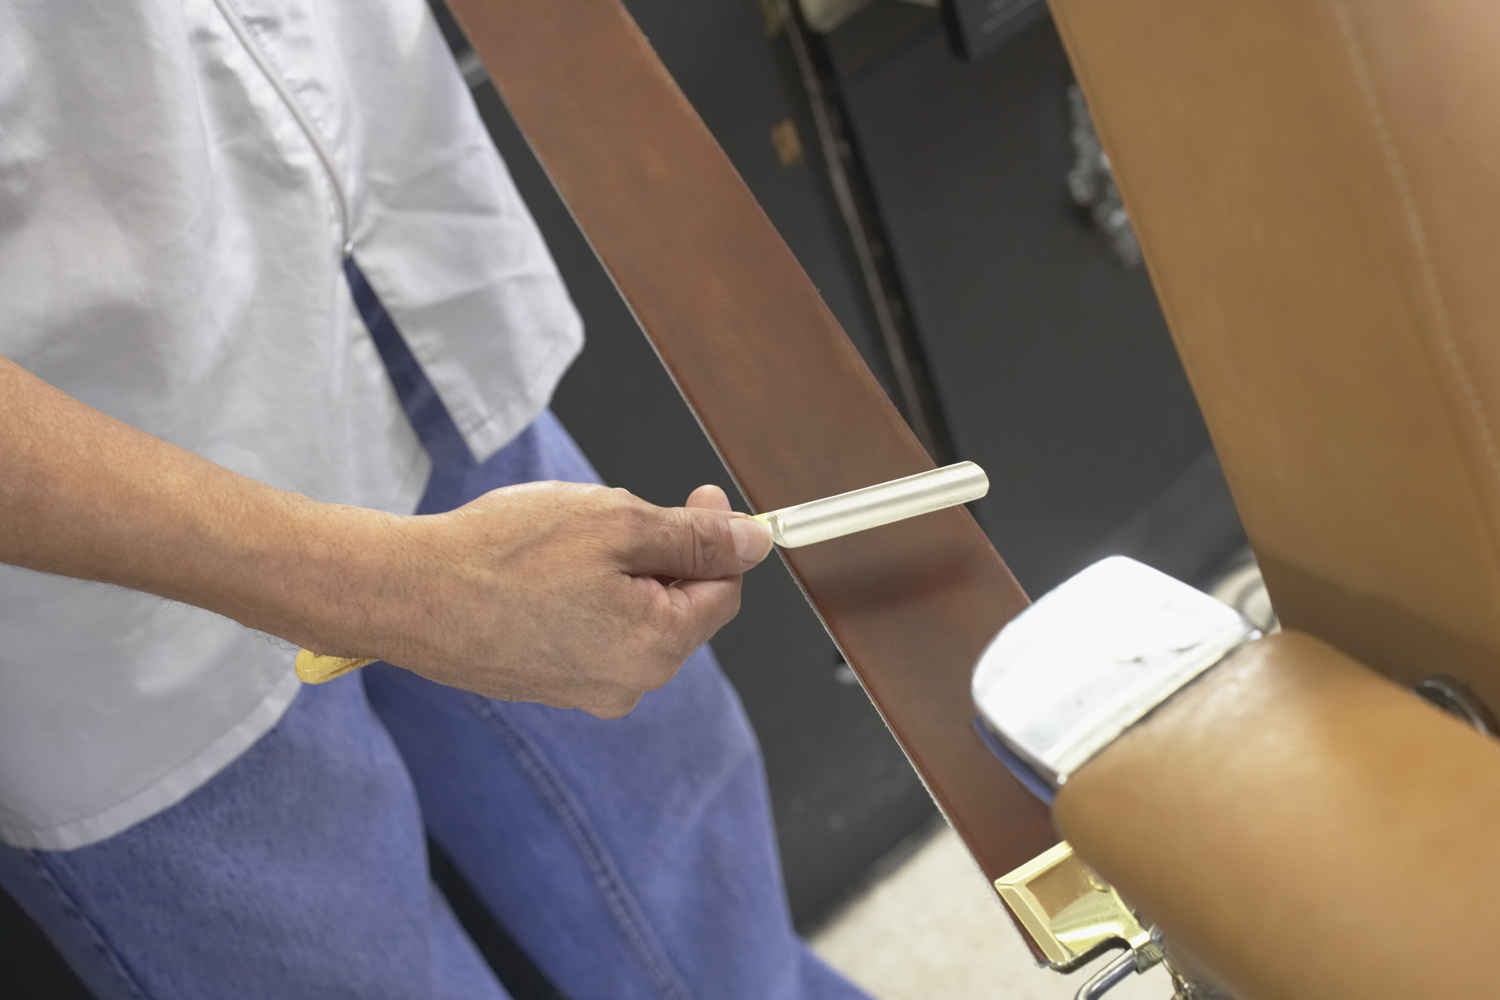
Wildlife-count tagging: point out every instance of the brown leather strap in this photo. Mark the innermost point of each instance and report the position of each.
(774, 381)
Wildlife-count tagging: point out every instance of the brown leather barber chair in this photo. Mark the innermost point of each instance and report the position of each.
(1316, 186)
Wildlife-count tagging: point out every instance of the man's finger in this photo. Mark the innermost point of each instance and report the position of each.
(612, 705)
(708, 497)
(693, 543)
(695, 609)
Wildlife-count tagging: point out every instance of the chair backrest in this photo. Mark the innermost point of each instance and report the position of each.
(1316, 186)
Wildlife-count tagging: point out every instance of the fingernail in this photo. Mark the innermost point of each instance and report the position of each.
(752, 539)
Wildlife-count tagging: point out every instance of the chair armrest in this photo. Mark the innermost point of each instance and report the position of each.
(1303, 827)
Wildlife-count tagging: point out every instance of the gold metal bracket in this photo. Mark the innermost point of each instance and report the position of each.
(1072, 913)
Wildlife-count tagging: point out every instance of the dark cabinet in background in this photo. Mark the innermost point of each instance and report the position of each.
(1049, 356)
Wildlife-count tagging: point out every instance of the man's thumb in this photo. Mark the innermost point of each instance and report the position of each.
(697, 544)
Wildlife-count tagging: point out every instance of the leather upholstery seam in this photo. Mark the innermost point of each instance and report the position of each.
(1417, 233)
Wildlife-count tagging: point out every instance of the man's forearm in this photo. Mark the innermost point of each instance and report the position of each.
(549, 592)
(84, 495)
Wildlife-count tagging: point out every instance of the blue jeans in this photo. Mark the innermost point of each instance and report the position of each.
(631, 858)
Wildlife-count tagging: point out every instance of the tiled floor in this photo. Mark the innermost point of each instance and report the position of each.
(932, 930)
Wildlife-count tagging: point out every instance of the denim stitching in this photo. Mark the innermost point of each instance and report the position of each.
(72, 909)
(595, 858)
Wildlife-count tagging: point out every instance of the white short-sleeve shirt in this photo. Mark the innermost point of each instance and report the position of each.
(179, 181)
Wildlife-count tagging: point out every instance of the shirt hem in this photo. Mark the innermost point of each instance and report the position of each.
(492, 428)
(167, 791)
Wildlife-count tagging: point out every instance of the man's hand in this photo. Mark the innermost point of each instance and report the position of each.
(571, 595)
(549, 592)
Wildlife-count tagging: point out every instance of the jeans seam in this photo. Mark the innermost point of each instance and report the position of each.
(611, 885)
(100, 943)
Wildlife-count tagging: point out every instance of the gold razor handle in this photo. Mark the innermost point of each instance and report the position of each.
(315, 669)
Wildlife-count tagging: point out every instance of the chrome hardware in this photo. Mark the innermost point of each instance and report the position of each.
(1190, 989)
(1457, 699)
(1109, 977)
